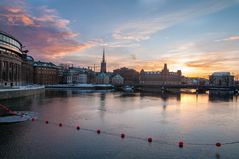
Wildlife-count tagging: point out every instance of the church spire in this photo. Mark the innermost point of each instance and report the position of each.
(103, 63)
(103, 59)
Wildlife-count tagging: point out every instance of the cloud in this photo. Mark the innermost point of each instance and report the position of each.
(231, 38)
(119, 44)
(144, 28)
(44, 33)
(214, 61)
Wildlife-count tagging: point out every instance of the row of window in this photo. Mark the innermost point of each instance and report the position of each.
(9, 40)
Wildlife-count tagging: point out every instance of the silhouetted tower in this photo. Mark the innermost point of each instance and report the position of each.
(165, 69)
(103, 63)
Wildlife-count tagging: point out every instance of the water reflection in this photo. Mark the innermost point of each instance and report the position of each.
(217, 156)
(225, 96)
(102, 108)
(164, 96)
(164, 116)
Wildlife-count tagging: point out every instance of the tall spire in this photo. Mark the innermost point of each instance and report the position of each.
(103, 63)
(165, 66)
(103, 59)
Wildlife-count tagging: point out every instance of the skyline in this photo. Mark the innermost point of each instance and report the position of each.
(196, 37)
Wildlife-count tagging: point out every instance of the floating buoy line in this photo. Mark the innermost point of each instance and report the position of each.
(122, 135)
(26, 116)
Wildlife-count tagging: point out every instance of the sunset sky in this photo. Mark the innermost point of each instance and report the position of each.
(198, 37)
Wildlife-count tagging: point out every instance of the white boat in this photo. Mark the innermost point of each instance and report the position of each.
(18, 117)
(128, 88)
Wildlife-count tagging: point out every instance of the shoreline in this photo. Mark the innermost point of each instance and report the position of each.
(20, 91)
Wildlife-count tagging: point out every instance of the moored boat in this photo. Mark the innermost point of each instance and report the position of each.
(128, 88)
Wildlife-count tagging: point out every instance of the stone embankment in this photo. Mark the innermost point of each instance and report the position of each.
(20, 91)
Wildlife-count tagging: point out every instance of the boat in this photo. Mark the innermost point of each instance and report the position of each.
(128, 88)
(16, 116)
(20, 116)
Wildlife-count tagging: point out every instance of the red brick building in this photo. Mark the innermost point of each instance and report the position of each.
(160, 78)
(45, 73)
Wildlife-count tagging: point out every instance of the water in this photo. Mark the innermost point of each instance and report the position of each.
(168, 118)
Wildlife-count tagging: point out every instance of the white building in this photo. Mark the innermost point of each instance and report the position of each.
(82, 78)
(75, 76)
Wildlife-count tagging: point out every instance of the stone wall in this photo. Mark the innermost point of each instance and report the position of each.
(14, 93)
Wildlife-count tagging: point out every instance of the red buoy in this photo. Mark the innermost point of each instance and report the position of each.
(46, 121)
(180, 144)
(33, 119)
(60, 124)
(78, 127)
(218, 144)
(98, 131)
(150, 140)
(122, 136)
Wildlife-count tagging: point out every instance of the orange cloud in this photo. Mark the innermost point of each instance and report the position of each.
(47, 35)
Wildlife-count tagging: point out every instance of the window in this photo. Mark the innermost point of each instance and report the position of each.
(1, 37)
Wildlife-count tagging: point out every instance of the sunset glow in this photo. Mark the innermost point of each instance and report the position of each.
(198, 37)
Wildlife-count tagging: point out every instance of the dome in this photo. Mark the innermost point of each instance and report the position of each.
(29, 58)
(221, 74)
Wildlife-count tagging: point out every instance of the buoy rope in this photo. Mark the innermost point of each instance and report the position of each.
(122, 135)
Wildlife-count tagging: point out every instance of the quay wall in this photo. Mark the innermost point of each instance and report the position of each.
(21, 92)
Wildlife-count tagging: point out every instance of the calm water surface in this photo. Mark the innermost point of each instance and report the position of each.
(192, 118)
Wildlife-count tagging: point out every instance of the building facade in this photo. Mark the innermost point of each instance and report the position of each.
(221, 79)
(13, 61)
(45, 73)
(160, 78)
(76, 75)
(102, 78)
(130, 76)
(27, 71)
(117, 80)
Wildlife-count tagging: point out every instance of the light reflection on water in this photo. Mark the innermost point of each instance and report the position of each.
(199, 118)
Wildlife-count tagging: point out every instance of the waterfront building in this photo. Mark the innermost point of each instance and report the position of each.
(221, 79)
(79, 78)
(237, 83)
(130, 76)
(76, 75)
(117, 80)
(102, 78)
(91, 76)
(15, 65)
(45, 73)
(160, 78)
(67, 78)
(195, 81)
(83, 78)
(27, 71)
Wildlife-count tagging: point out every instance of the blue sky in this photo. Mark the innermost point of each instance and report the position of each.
(198, 37)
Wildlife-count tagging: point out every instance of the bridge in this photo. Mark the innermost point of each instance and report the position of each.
(197, 87)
